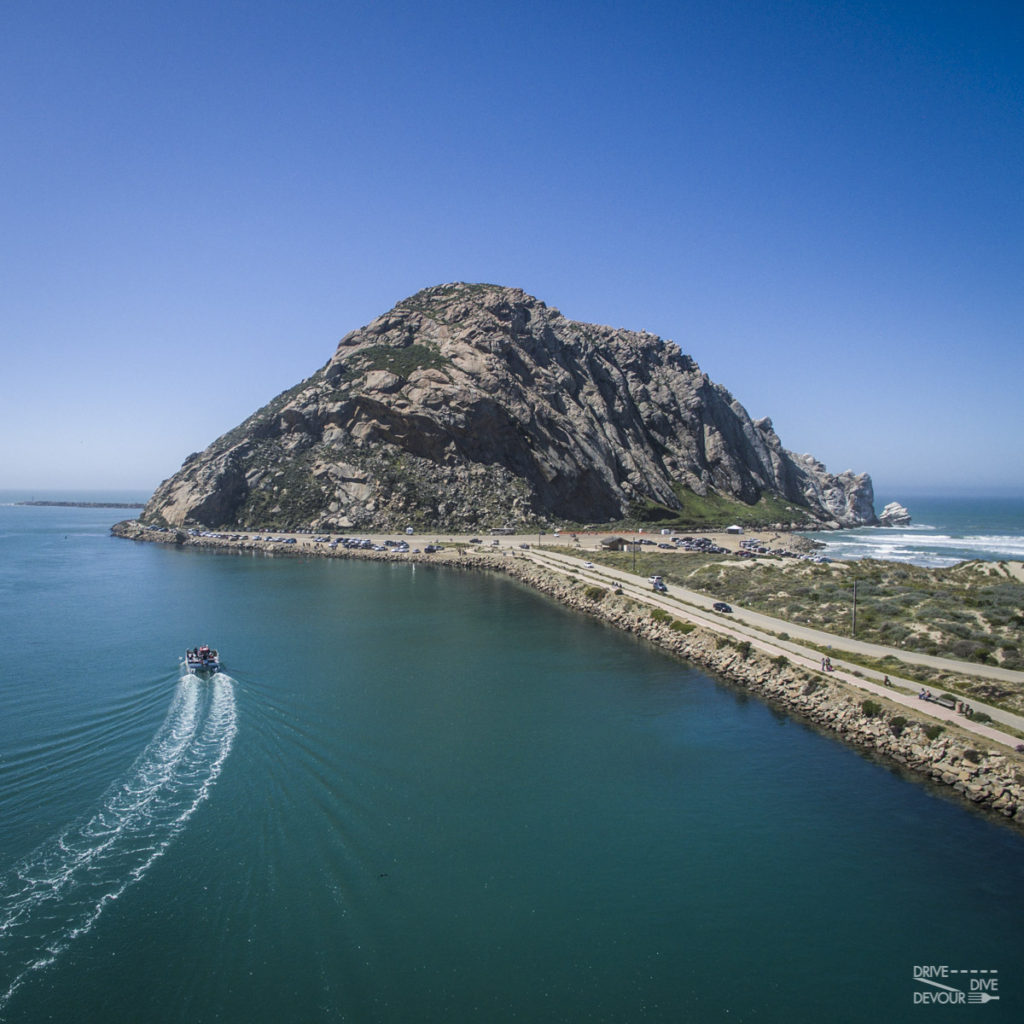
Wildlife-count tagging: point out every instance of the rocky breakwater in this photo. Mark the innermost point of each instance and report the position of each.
(991, 779)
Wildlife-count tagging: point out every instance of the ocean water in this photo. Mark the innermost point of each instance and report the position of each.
(944, 530)
(423, 795)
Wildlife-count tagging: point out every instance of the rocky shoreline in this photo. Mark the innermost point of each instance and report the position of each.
(990, 780)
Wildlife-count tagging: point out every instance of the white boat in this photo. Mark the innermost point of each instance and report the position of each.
(202, 660)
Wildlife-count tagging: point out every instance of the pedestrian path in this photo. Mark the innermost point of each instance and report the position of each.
(761, 631)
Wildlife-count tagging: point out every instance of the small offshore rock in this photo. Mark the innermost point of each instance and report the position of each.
(894, 514)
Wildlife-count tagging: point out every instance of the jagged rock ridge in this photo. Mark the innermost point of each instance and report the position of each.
(477, 405)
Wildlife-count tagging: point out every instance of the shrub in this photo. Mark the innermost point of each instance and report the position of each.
(981, 716)
(744, 648)
(811, 686)
(681, 627)
(897, 724)
(660, 615)
(595, 593)
(871, 708)
(781, 661)
(933, 732)
(972, 755)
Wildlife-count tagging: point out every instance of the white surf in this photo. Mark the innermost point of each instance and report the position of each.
(58, 892)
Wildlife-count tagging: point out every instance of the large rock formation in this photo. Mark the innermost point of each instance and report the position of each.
(476, 405)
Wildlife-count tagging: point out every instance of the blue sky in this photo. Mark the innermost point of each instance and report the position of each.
(822, 203)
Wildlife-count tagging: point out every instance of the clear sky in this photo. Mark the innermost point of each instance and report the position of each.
(821, 202)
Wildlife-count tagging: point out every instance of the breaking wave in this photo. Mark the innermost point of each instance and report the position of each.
(920, 545)
(58, 892)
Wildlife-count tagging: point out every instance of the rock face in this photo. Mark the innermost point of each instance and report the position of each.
(894, 514)
(474, 405)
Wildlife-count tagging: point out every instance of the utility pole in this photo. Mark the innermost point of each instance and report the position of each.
(855, 608)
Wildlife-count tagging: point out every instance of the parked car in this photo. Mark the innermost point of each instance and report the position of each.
(660, 587)
(721, 606)
(588, 565)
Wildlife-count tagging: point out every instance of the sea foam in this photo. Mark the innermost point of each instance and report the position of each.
(58, 892)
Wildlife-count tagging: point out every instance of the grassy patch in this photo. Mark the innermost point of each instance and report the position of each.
(402, 361)
(716, 511)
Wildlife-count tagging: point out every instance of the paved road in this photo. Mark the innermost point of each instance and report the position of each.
(758, 629)
(823, 639)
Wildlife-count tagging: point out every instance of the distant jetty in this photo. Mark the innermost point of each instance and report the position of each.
(85, 504)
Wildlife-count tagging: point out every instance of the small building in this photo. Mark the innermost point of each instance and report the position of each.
(616, 544)
(734, 529)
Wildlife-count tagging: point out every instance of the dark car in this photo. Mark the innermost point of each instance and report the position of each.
(721, 606)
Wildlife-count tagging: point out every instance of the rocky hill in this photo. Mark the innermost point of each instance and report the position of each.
(472, 406)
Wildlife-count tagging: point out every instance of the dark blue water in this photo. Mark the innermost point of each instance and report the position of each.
(426, 795)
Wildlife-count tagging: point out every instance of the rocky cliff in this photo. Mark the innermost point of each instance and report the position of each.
(470, 406)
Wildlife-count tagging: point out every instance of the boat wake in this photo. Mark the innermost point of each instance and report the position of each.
(58, 892)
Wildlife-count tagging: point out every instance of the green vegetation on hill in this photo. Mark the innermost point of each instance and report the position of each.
(400, 361)
(437, 302)
(262, 420)
(713, 511)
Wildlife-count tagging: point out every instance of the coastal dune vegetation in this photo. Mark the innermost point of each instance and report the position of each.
(971, 612)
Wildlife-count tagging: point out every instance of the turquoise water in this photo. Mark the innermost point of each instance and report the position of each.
(945, 529)
(426, 795)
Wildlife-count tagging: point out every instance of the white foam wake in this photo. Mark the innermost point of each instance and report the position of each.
(59, 891)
